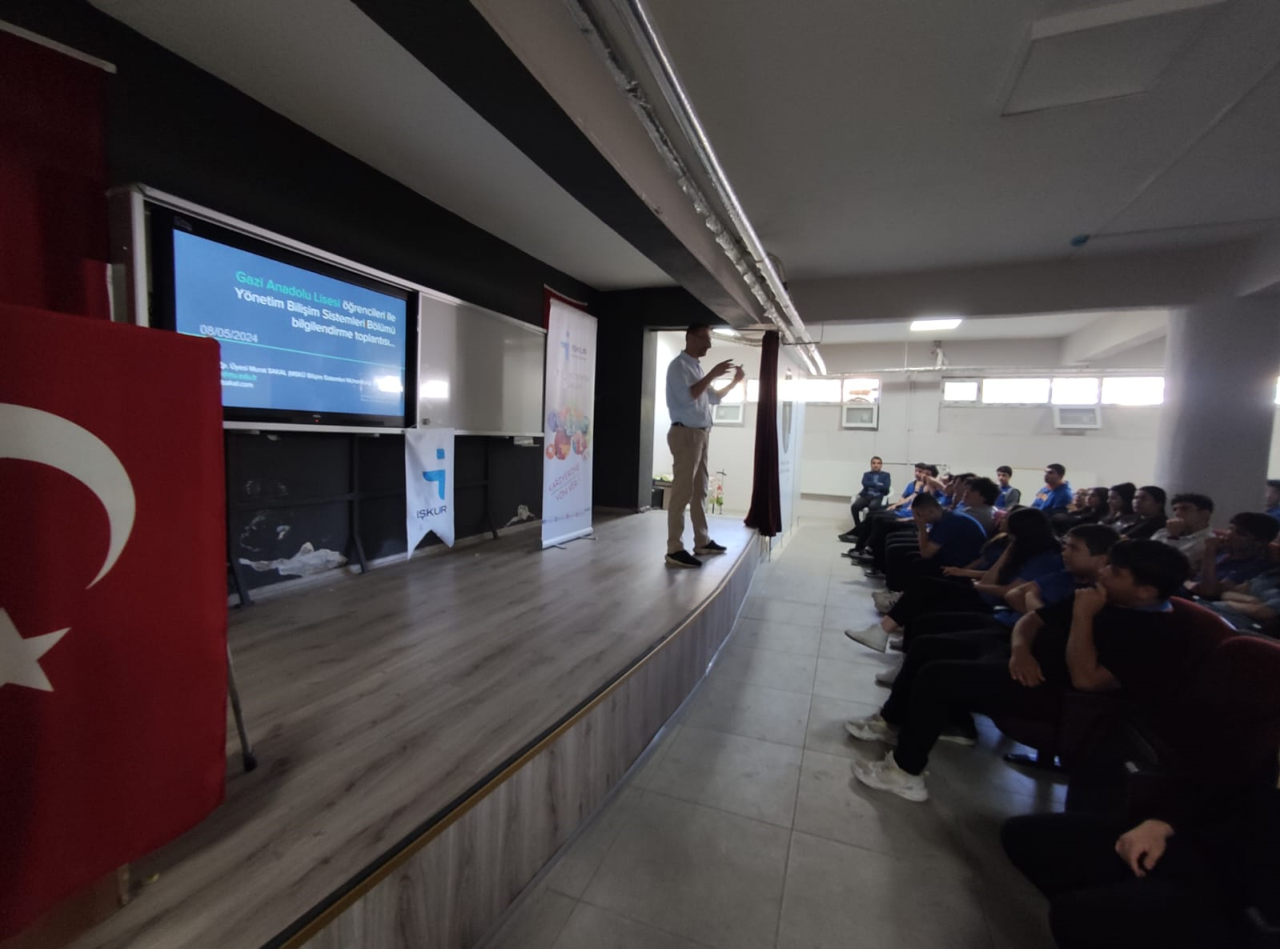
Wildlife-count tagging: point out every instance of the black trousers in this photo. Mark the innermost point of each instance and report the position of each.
(942, 674)
(937, 595)
(872, 532)
(1096, 902)
(886, 534)
(862, 503)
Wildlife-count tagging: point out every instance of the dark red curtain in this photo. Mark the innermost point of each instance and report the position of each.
(53, 175)
(765, 514)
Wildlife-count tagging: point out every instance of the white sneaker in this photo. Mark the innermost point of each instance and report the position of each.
(888, 676)
(885, 600)
(873, 636)
(872, 728)
(887, 776)
(897, 642)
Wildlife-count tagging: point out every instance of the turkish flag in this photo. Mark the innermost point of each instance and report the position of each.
(113, 599)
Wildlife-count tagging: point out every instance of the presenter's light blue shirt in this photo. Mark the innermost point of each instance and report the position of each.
(684, 409)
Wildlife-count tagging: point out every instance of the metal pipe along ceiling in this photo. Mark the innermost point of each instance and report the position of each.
(658, 64)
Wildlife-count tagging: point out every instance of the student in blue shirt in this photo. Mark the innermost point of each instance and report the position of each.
(875, 488)
(1009, 495)
(946, 539)
(1055, 497)
(1273, 499)
(1240, 554)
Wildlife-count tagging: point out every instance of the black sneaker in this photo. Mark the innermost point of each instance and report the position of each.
(848, 537)
(710, 547)
(852, 553)
(682, 558)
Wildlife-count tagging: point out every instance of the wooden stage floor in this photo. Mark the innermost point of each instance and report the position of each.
(376, 702)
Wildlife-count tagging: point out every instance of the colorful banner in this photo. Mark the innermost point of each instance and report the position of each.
(570, 402)
(428, 485)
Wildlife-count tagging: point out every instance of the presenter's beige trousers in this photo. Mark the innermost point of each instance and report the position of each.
(689, 481)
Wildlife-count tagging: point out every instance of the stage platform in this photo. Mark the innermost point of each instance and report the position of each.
(430, 734)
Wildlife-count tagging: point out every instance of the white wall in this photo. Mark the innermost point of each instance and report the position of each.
(915, 426)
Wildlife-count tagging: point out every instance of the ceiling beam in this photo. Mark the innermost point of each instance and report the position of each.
(1260, 273)
(1113, 333)
(1153, 279)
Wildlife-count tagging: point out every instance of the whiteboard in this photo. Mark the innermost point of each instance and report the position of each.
(478, 371)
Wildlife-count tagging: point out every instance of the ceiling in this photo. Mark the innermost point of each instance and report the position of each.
(1041, 326)
(866, 140)
(328, 67)
(866, 137)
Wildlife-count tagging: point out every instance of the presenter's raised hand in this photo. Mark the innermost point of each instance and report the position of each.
(720, 369)
(738, 374)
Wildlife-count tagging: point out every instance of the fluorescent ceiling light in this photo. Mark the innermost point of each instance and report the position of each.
(923, 326)
(728, 331)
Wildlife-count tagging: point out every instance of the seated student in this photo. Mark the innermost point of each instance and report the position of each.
(1254, 604)
(943, 539)
(1121, 633)
(959, 499)
(1189, 528)
(862, 532)
(1273, 499)
(1033, 551)
(978, 501)
(1120, 506)
(1148, 505)
(1010, 496)
(1090, 507)
(1180, 871)
(875, 488)
(876, 530)
(1236, 557)
(1055, 496)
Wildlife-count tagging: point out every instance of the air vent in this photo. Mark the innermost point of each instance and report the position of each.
(1103, 52)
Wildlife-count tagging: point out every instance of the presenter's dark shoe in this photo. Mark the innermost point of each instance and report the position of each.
(682, 558)
(710, 547)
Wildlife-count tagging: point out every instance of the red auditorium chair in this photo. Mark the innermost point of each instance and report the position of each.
(1058, 728)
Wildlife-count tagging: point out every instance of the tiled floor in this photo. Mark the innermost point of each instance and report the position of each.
(744, 828)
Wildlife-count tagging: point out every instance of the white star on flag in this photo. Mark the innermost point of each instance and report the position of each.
(20, 658)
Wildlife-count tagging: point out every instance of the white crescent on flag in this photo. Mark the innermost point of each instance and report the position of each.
(34, 435)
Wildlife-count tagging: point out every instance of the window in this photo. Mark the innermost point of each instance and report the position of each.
(960, 390)
(1015, 391)
(737, 395)
(853, 389)
(1133, 390)
(1075, 390)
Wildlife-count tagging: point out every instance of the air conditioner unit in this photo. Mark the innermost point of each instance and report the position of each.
(1076, 417)
(728, 413)
(860, 415)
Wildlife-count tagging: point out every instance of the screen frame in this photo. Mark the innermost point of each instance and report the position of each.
(162, 221)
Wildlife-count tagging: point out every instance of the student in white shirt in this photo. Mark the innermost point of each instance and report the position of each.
(1189, 528)
(689, 401)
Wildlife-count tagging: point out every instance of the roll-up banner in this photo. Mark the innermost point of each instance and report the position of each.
(428, 461)
(570, 432)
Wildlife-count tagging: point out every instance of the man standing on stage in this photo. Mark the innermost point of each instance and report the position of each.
(689, 401)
